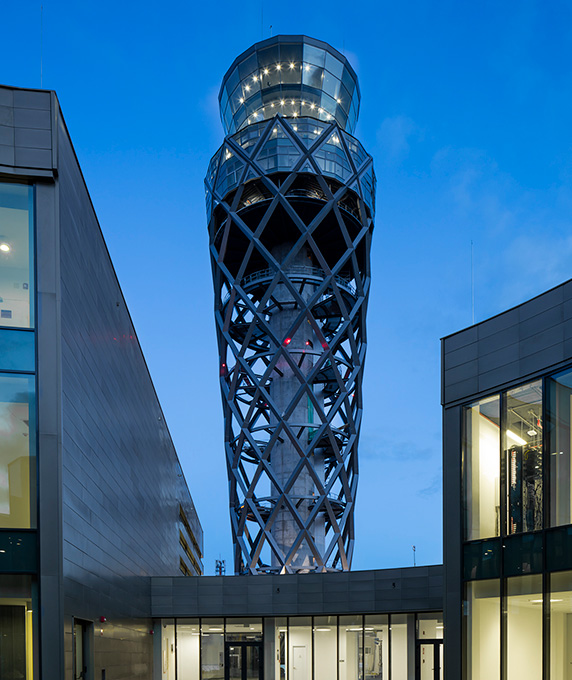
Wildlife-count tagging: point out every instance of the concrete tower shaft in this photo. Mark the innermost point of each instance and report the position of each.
(290, 204)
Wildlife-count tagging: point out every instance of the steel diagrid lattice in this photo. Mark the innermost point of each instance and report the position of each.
(290, 226)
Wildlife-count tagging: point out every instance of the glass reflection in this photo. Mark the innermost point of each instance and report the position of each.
(17, 452)
(481, 469)
(16, 256)
(523, 442)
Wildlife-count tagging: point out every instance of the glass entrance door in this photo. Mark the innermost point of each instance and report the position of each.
(430, 660)
(243, 661)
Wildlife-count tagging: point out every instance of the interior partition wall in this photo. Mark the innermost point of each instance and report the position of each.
(517, 552)
(352, 647)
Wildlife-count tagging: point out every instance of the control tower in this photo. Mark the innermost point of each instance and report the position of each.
(290, 204)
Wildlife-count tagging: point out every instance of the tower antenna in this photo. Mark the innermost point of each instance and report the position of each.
(472, 284)
(41, 45)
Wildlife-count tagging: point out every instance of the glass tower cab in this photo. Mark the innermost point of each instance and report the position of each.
(290, 206)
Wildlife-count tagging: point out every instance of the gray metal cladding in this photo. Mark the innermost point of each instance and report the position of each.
(413, 589)
(510, 347)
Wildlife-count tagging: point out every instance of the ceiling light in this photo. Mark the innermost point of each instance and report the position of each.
(281, 102)
(515, 438)
(266, 71)
(278, 67)
(532, 433)
(4, 247)
(291, 65)
(247, 88)
(322, 630)
(312, 106)
(242, 100)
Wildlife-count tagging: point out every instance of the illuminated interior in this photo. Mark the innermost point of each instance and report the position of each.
(16, 256)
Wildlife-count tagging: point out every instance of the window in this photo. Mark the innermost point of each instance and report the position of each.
(560, 625)
(523, 611)
(16, 256)
(17, 452)
(523, 446)
(481, 630)
(559, 448)
(17, 638)
(481, 469)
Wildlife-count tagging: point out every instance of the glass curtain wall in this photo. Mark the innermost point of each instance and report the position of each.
(18, 475)
(508, 619)
(358, 647)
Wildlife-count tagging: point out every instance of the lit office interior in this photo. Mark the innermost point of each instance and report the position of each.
(517, 553)
(353, 647)
(18, 515)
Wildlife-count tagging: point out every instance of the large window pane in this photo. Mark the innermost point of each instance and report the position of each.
(523, 607)
(402, 628)
(560, 625)
(16, 256)
(325, 647)
(481, 630)
(350, 648)
(376, 647)
(17, 623)
(188, 643)
(212, 649)
(523, 442)
(168, 649)
(17, 452)
(481, 461)
(275, 647)
(300, 648)
(559, 447)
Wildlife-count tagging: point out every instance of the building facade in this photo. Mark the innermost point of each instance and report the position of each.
(92, 498)
(382, 624)
(290, 204)
(507, 397)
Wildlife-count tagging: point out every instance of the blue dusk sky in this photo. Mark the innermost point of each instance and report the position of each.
(467, 111)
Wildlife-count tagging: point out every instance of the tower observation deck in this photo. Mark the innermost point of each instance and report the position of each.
(290, 205)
